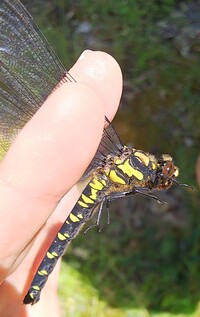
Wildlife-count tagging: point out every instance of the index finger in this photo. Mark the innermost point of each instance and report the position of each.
(53, 149)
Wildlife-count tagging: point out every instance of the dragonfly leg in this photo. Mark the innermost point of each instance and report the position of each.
(108, 211)
(145, 193)
(99, 213)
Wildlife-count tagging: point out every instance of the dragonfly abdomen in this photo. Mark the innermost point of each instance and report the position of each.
(81, 213)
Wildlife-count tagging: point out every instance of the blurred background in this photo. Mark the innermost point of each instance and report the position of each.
(147, 261)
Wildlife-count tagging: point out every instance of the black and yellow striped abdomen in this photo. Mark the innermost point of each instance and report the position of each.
(82, 211)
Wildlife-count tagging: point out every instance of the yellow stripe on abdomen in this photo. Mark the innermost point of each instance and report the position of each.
(73, 218)
(86, 199)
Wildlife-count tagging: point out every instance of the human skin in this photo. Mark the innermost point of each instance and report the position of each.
(45, 161)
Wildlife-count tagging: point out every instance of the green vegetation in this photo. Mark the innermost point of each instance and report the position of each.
(147, 262)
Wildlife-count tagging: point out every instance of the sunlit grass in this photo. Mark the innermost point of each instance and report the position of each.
(80, 299)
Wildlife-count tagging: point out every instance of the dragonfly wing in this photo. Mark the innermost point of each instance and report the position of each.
(110, 145)
(25, 55)
(29, 69)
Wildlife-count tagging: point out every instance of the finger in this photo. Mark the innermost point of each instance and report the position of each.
(44, 161)
(38, 168)
(101, 72)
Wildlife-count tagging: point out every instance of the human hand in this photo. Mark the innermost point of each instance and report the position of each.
(44, 162)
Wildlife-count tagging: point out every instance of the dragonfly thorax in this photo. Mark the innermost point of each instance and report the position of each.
(132, 168)
(139, 169)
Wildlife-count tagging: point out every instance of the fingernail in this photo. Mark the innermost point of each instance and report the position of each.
(82, 56)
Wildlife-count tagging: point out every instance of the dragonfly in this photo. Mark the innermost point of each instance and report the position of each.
(29, 72)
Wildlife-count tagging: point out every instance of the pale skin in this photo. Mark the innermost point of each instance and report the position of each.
(44, 162)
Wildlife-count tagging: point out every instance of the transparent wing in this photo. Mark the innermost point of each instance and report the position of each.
(110, 145)
(29, 69)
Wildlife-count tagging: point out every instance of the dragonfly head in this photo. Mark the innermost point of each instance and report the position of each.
(166, 173)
